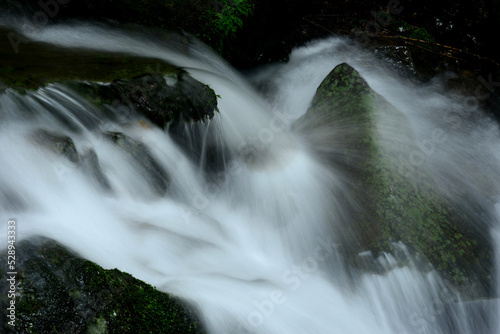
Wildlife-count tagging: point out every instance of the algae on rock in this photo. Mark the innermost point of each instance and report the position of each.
(38, 64)
(59, 292)
(183, 99)
(363, 137)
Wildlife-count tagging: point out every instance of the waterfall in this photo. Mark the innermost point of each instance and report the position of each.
(249, 246)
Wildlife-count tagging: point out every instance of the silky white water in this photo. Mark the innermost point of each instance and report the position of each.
(249, 247)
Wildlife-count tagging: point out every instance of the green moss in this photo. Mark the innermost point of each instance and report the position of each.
(62, 293)
(415, 214)
(405, 29)
(99, 327)
(39, 63)
(224, 20)
(391, 206)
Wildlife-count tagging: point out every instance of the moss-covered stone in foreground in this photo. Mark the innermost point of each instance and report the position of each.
(60, 292)
(364, 137)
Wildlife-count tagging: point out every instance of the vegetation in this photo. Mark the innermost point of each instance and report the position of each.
(247, 32)
(213, 21)
(62, 293)
(41, 63)
(390, 205)
(225, 20)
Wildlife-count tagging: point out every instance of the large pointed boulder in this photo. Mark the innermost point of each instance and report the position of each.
(387, 199)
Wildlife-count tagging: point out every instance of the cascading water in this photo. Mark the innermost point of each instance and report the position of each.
(248, 246)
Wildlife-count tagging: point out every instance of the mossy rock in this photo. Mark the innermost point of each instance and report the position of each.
(363, 137)
(28, 65)
(181, 99)
(59, 292)
(107, 78)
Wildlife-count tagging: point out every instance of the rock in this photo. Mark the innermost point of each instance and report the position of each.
(183, 99)
(152, 171)
(363, 137)
(59, 292)
(204, 144)
(398, 57)
(57, 143)
(64, 146)
(425, 55)
(175, 103)
(155, 175)
(91, 167)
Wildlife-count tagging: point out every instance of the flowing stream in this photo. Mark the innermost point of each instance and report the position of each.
(248, 245)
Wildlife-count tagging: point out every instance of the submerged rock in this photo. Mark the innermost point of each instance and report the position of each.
(363, 137)
(64, 146)
(91, 166)
(57, 143)
(155, 175)
(88, 163)
(59, 292)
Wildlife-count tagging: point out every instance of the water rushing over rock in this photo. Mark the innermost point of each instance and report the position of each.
(248, 242)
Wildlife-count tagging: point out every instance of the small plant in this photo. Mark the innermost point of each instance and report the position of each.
(230, 14)
(225, 18)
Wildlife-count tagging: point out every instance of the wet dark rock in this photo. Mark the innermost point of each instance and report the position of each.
(59, 292)
(181, 99)
(33, 64)
(154, 174)
(398, 57)
(57, 143)
(203, 143)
